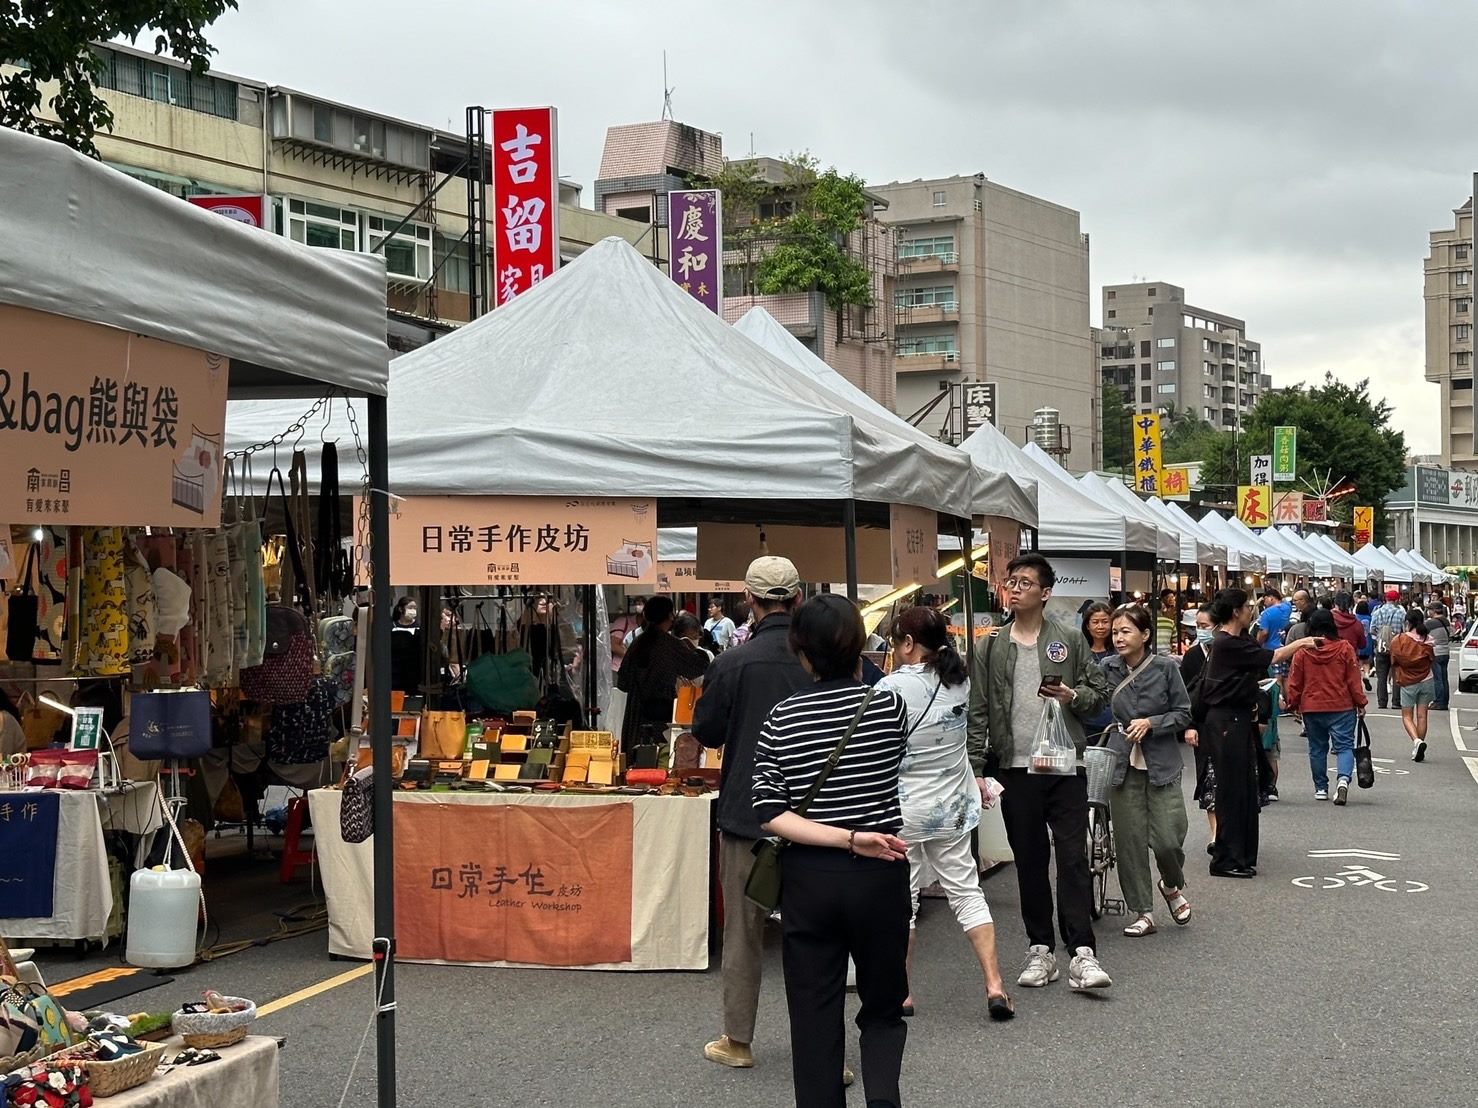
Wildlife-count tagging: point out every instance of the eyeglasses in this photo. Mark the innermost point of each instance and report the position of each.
(1021, 584)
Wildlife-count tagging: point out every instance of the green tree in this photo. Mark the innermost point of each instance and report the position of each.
(1343, 432)
(53, 42)
(1116, 419)
(1189, 438)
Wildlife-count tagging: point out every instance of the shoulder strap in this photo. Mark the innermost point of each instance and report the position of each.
(932, 697)
(835, 757)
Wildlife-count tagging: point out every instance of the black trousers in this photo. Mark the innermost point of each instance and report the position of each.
(1033, 804)
(1234, 754)
(834, 904)
(1383, 683)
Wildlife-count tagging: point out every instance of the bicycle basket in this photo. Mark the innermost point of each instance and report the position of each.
(1100, 762)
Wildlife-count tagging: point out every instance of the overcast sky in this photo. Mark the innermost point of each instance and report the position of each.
(1282, 161)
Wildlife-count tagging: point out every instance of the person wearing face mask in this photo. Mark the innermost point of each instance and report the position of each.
(1192, 666)
(405, 646)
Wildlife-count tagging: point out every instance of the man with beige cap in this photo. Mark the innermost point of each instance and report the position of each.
(739, 690)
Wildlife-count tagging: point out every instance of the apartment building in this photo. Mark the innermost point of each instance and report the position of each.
(992, 287)
(1448, 293)
(332, 176)
(643, 162)
(1165, 354)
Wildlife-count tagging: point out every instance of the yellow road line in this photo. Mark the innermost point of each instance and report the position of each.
(315, 990)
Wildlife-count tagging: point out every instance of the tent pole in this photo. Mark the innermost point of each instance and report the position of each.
(849, 525)
(967, 538)
(592, 678)
(380, 734)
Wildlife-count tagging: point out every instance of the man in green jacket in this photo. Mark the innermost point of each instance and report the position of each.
(1031, 659)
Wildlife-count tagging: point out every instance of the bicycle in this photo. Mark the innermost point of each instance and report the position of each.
(1100, 763)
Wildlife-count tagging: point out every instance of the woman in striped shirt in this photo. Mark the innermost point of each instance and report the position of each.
(844, 878)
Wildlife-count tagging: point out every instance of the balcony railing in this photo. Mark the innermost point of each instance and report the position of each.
(907, 314)
(915, 361)
(916, 262)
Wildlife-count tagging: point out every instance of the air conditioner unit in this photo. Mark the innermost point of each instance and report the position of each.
(951, 356)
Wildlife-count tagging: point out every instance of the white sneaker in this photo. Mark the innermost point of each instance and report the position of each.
(1419, 752)
(1040, 970)
(1342, 790)
(1321, 794)
(1084, 972)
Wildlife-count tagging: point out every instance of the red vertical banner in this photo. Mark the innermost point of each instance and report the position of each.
(525, 209)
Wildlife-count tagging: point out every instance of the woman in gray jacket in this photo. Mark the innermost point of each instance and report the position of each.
(1151, 711)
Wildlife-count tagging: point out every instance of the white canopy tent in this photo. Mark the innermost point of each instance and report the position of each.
(1279, 560)
(1319, 540)
(1302, 557)
(1167, 544)
(1243, 556)
(1390, 570)
(87, 242)
(997, 493)
(1421, 572)
(1326, 564)
(1068, 519)
(1227, 554)
(1208, 551)
(1439, 575)
(1186, 547)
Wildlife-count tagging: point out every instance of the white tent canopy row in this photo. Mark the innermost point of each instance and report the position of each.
(1166, 546)
(1208, 551)
(1173, 544)
(1439, 575)
(1381, 564)
(997, 493)
(1069, 520)
(87, 242)
(1243, 555)
(1327, 563)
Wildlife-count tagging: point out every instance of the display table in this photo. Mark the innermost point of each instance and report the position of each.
(245, 1077)
(82, 891)
(541, 880)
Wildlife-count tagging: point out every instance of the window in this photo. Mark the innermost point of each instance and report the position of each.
(1151, 291)
(1111, 295)
(1461, 306)
(1112, 314)
(1462, 384)
(1208, 392)
(408, 254)
(1151, 310)
(1167, 389)
(1165, 344)
(1208, 369)
(1463, 332)
(1208, 414)
(322, 225)
(1144, 373)
(454, 272)
(927, 344)
(1144, 349)
(777, 209)
(636, 215)
(1464, 277)
(1144, 395)
(1463, 357)
(927, 247)
(940, 199)
(1166, 367)
(1460, 252)
(168, 84)
(926, 296)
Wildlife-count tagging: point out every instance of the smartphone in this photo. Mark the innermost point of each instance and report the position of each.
(1051, 681)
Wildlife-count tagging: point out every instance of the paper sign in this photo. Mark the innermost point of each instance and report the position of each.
(819, 553)
(1254, 505)
(1285, 454)
(1081, 577)
(1147, 462)
(695, 230)
(101, 427)
(677, 577)
(914, 537)
(1261, 469)
(522, 540)
(1288, 508)
(87, 728)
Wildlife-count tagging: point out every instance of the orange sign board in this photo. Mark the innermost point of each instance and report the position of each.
(522, 540)
(1255, 505)
(546, 886)
(819, 553)
(675, 577)
(102, 427)
(1364, 524)
(1175, 482)
(1288, 507)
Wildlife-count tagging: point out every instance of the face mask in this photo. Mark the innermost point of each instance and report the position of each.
(410, 615)
(1203, 635)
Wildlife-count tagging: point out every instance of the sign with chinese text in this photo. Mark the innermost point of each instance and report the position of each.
(1261, 469)
(1285, 454)
(102, 427)
(1363, 519)
(548, 886)
(250, 210)
(87, 728)
(914, 536)
(28, 829)
(522, 540)
(1255, 505)
(676, 577)
(525, 208)
(1175, 482)
(1288, 508)
(1005, 545)
(1447, 488)
(1147, 464)
(1315, 510)
(695, 245)
(978, 402)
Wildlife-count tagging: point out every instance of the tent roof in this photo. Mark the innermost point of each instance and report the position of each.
(1068, 518)
(1166, 545)
(1208, 551)
(598, 381)
(1279, 560)
(1224, 553)
(1297, 557)
(1174, 545)
(1439, 575)
(1248, 556)
(1326, 563)
(996, 493)
(1390, 570)
(88, 242)
(1414, 564)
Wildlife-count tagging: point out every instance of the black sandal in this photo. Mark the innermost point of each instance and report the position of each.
(1000, 1008)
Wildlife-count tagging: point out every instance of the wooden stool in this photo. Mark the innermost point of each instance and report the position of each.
(293, 855)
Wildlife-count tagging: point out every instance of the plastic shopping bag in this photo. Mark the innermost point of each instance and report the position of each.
(1052, 746)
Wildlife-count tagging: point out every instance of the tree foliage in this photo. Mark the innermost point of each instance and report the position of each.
(53, 42)
(1116, 422)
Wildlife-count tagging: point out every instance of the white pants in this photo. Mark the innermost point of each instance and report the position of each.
(954, 864)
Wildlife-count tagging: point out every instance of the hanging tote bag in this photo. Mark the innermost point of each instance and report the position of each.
(22, 608)
(169, 725)
(103, 651)
(288, 648)
(1364, 770)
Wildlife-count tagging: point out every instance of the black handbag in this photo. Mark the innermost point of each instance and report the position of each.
(357, 806)
(23, 614)
(1364, 771)
(763, 886)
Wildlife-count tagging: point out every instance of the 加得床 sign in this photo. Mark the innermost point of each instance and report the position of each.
(99, 426)
(522, 540)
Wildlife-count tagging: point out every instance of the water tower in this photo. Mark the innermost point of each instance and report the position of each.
(1049, 433)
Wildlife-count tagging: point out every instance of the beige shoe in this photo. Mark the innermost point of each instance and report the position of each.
(726, 1052)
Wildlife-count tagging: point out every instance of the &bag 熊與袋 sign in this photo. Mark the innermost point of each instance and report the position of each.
(100, 426)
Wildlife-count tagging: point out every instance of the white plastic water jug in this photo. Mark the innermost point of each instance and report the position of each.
(163, 905)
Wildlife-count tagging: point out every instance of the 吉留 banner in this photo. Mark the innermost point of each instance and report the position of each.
(99, 426)
(525, 209)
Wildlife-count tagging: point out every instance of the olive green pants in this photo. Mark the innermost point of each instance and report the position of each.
(1148, 818)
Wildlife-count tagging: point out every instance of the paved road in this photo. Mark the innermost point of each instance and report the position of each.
(1276, 994)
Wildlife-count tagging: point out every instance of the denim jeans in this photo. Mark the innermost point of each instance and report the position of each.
(1439, 671)
(1326, 730)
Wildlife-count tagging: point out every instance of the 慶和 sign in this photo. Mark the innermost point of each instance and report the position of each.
(99, 426)
(522, 540)
(695, 246)
(525, 208)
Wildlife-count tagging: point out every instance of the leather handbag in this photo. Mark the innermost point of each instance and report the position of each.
(1364, 770)
(169, 725)
(357, 806)
(443, 734)
(763, 887)
(23, 610)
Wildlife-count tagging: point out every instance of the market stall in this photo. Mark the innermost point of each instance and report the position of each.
(1244, 557)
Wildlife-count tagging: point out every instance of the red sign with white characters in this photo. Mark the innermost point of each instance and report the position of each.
(525, 208)
(243, 209)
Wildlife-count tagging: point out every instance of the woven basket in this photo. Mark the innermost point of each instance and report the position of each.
(209, 1030)
(1100, 762)
(108, 1078)
(25, 1058)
